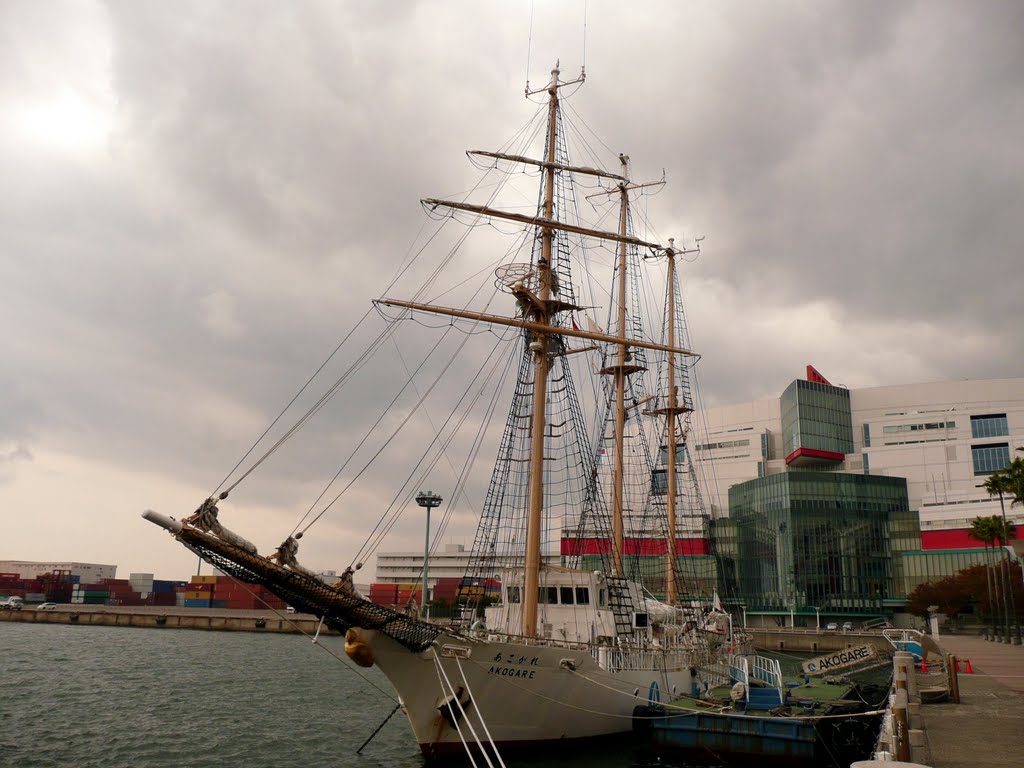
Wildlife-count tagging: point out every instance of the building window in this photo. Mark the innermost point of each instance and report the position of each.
(659, 482)
(990, 458)
(867, 464)
(867, 435)
(680, 454)
(723, 444)
(923, 427)
(992, 425)
(513, 594)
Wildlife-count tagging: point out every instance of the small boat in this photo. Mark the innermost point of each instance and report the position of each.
(750, 710)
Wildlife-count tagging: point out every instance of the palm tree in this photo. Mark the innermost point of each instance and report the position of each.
(1013, 480)
(981, 530)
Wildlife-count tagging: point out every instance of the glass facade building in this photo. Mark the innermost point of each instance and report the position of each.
(806, 539)
(817, 423)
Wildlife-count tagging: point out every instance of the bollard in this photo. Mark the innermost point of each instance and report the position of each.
(903, 667)
(900, 726)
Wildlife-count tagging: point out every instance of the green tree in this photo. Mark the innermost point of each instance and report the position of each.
(952, 594)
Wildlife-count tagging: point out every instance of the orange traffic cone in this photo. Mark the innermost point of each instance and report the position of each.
(969, 670)
(924, 665)
(958, 665)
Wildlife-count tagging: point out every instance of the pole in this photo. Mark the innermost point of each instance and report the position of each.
(426, 566)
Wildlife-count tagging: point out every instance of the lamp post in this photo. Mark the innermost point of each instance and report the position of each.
(817, 618)
(428, 500)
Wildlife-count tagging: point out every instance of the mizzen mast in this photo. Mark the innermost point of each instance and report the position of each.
(670, 412)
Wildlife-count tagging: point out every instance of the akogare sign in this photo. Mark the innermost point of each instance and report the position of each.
(838, 660)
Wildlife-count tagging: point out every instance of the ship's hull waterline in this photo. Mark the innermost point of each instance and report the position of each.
(525, 694)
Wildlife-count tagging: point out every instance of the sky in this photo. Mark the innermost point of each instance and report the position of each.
(199, 200)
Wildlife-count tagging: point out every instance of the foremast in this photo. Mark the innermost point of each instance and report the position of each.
(541, 361)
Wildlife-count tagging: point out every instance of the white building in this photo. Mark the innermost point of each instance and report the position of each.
(452, 562)
(89, 573)
(945, 438)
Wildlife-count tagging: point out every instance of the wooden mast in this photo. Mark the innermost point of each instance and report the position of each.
(541, 362)
(670, 412)
(618, 474)
(670, 432)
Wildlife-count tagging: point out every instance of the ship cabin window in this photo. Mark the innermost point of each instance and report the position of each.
(582, 595)
(513, 594)
(602, 598)
(547, 595)
(565, 595)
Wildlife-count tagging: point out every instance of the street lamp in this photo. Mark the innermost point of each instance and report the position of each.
(428, 500)
(817, 618)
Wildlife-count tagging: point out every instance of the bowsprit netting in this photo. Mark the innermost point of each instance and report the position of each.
(339, 609)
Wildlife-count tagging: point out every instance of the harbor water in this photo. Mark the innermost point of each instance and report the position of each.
(153, 698)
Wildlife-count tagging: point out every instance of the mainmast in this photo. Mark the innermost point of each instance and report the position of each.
(541, 363)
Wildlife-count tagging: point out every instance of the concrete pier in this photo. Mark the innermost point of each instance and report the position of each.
(170, 617)
(984, 730)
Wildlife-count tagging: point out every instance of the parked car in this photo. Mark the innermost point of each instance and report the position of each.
(847, 626)
(831, 626)
(289, 609)
(46, 606)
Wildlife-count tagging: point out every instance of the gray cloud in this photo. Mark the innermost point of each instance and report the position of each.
(199, 201)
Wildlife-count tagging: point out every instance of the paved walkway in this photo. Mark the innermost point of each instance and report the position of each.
(984, 730)
(999, 661)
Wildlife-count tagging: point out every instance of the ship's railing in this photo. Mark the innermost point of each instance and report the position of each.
(768, 671)
(627, 659)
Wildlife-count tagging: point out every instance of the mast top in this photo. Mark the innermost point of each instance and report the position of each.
(554, 84)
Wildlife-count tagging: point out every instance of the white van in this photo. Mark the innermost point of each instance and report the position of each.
(13, 604)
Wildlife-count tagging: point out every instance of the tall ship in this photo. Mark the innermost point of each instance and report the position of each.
(598, 469)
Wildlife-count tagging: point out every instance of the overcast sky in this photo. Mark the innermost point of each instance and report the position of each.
(198, 199)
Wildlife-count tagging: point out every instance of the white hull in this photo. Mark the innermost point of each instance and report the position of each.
(526, 694)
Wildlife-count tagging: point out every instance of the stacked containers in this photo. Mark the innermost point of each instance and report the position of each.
(384, 594)
(227, 593)
(141, 583)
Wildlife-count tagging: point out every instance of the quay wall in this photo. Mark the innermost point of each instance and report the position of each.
(171, 618)
(813, 641)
